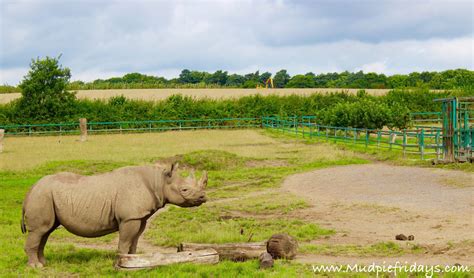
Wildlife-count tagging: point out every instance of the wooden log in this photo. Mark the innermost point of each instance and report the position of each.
(141, 261)
(266, 260)
(83, 126)
(2, 134)
(229, 251)
(282, 246)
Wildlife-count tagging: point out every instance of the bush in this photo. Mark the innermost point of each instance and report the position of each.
(337, 109)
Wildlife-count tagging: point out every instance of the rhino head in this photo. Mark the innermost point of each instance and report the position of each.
(184, 192)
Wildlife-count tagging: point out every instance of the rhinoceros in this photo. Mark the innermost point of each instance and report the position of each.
(93, 206)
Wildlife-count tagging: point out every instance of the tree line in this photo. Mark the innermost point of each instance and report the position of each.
(448, 79)
(46, 99)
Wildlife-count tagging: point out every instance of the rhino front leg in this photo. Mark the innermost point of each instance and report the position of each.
(128, 232)
(133, 248)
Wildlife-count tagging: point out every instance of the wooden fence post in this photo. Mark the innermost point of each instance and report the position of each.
(2, 134)
(83, 126)
(404, 143)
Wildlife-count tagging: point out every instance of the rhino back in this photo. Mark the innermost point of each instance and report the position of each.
(93, 205)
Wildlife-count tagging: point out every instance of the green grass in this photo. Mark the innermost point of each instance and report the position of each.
(210, 225)
(241, 167)
(264, 204)
(239, 162)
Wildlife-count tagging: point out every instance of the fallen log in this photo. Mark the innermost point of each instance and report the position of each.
(141, 261)
(229, 251)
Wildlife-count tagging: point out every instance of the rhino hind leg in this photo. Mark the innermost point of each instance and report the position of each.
(33, 242)
(128, 232)
(133, 248)
(43, 241)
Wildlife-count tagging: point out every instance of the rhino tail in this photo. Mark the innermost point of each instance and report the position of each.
(23, 226)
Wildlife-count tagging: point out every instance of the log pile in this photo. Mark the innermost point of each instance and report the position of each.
(237, 252)
(277, 247)
(141, 261)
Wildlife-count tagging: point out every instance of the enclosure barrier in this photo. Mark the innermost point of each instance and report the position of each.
(423, 142)
(130, 126)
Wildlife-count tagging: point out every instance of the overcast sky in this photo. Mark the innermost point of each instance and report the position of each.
(100, 39)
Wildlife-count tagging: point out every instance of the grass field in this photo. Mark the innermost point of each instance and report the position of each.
(240, 162)
(245, 168)
(158, 94)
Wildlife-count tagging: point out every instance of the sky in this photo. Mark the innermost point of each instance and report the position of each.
(102, 39)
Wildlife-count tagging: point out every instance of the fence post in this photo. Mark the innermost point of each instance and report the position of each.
(366, 138)
(422, 144)
(379, 135)
(390, 139)
(404, 143)
(2, 134)
(354, 131)
(437, 145)
(310, 131)
(327, 134)
(295, 123)
(83, 126)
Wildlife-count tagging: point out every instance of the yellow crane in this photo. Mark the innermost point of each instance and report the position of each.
(268, 82)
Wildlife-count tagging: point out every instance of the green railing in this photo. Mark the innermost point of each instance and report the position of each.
(424, 143)
(130, 126)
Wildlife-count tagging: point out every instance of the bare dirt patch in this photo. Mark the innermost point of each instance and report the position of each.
(372, 203)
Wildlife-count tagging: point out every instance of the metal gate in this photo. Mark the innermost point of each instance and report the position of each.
(457, 127)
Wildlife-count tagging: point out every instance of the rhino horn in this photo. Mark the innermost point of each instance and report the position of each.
(203, 181)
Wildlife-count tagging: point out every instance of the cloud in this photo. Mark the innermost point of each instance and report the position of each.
(103, 38)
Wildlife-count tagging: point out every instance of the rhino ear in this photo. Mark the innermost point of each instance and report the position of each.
(203, 181)
(172, 170)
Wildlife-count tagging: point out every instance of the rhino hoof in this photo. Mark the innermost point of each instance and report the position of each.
(36, 265)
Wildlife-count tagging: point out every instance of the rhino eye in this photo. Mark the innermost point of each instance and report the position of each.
(184, 189)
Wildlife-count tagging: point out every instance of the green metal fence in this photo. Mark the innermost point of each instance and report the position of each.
(130, 126)
(425, 143)
(420, 142)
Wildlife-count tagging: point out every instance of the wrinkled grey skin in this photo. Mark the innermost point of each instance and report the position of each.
(93, 206)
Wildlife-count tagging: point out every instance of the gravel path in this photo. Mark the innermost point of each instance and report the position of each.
(372, 203)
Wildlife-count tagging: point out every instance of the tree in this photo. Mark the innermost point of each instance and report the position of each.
(301, 81)
(185, 76)
(219, 77)
(44, 94)
(281, 79)
(235, 80)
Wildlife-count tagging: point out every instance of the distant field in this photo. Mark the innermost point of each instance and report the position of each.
(158, 94)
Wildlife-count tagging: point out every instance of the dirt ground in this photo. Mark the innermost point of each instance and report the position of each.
(372, 203)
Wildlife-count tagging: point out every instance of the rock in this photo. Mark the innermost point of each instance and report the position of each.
(266, 260)
(411, 237)
(282, 246)
(401, 237)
